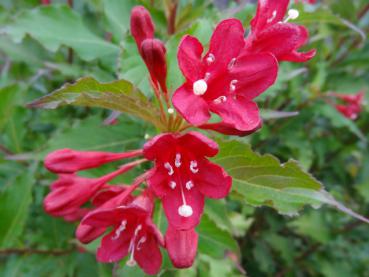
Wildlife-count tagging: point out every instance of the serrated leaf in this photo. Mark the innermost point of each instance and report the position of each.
(263, 180)
(64, 27)
(118, 95)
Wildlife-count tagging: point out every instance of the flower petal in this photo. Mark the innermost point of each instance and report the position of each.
(181, 246)
(212, 180)
(192, 107)
(268, 13)
(86, 233)
(158, 181)
(111, 249)
(172, 201)
(254, 74)
(229, 31)
(199, 144)
(189, 58)
(227, 129)
(149, 256)
(240, 113)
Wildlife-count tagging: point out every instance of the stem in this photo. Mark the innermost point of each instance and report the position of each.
(172, 18)
(163, 114)
(27, 251)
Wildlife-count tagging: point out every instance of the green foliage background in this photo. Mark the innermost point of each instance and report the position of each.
(42, 48)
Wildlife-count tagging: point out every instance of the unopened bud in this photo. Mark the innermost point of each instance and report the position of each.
(142, 26)
(153, 53)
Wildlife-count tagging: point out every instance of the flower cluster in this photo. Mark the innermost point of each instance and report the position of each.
(223, 81)
(350, 104)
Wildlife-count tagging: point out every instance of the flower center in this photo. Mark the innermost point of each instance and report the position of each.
(200, 87)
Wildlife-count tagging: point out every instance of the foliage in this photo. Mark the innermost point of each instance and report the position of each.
(257, 227)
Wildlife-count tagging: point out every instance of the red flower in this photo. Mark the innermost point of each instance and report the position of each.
(181, 246)
(352, 104)
(182, 176)
(223, 82)
(70, 161)
(271, 33)
(70, 192)
(133, 234)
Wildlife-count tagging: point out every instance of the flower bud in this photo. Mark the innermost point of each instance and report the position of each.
(153, 53)
(142, 26)
(69, 161)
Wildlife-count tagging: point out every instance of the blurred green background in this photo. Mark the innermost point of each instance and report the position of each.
(43, 47)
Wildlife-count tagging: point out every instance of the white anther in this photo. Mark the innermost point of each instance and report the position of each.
(274, 14)
(171, 111)
(120, 229)
(189, 185)
(172, 184)
(210, 59)
(193, 167)
(231, 63)
(185, 210)
(138, 229)
(169, 168)
(177, 161)
(140, 242)
(232, 85)
(220, 99)
(200, 87)
(147, 136)
(131, 262)
(292, 14)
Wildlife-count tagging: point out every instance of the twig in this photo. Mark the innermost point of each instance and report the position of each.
(172, 18)
(26, 251)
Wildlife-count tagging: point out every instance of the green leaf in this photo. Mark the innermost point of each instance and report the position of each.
(9, 97)
(57, 25)
(263, 180)
(15, 201)
(213, 241)
(118, 95)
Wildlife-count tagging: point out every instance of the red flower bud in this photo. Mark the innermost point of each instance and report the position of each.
(142, 26)
(69, 161)
(153, 53)
(181, 246)
(45, 2)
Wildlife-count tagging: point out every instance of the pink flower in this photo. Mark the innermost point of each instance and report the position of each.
(181, 246)
(352, 104)
(223, 82)
(133, 233)
(70, 192)
(271, 33)
(70, 161)
(182, 176)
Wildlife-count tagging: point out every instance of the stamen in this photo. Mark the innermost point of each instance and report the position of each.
(169, 168)
(172, 184)
(171, 111)
(120, 229)
(232, 85)
(193, 167)
(292, 14)
(207, 76)
(177, 161)
(189, 185)
(210, 59)
(274, 14)
(138, 229)
(131, 262)
(140, 242)
(231, 63)
(220, 99)
(200, 87)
